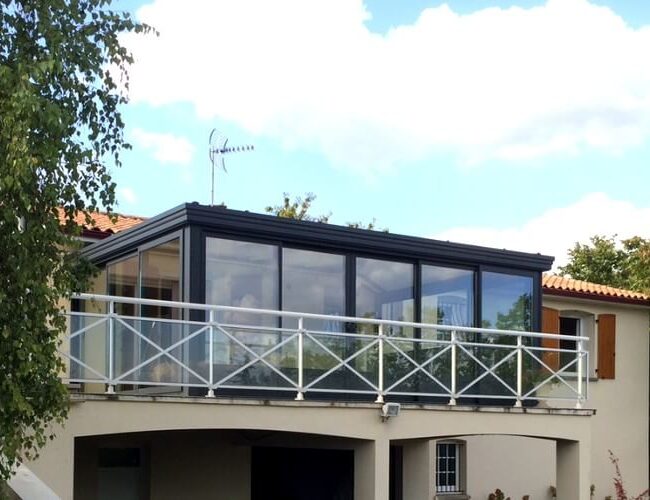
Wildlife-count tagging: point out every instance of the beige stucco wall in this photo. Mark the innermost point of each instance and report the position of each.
(621, 420)
(620, 423)
(517, 465)
(199, 464)
(116, 415)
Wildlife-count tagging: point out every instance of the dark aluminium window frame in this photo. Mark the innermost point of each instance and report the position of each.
(199, 295)
(137, 253)
(193, 224)
(148, 245)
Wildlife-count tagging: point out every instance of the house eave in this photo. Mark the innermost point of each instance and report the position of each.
(597, 297)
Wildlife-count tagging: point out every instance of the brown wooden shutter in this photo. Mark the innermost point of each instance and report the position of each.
(606, 346)
(551, 324)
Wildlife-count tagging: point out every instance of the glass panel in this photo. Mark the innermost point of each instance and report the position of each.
(89, 347)
(313, 282)
(160, 273)
(507, 304)
(242, 274)
(384, 290)
(123, 282)
(447, 468)
(160, 279)
(447, 299)
(447, 296)
(507, 301)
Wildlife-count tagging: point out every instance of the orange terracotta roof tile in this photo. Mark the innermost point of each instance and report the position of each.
(102, 222)
(553, 283)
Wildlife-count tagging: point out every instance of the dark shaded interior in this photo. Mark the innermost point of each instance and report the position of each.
(302, 474)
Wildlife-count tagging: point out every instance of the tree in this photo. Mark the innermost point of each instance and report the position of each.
(606, 262)
(60, 133)
(298, 209)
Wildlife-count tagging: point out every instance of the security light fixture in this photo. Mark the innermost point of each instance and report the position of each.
(389, 410)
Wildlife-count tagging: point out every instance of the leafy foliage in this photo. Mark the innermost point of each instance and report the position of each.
(497, 495)
(621, 493)
(298, 209)
(60, 131)
(604, 261)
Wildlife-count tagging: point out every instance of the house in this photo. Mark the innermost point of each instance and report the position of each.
(103, 225)
(616, 323)
(230, 355)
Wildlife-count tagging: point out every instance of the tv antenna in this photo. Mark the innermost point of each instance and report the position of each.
(218, 147)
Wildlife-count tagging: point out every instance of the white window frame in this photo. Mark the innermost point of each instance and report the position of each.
(459, 487)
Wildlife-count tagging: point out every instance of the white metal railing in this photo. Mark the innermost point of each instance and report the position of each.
(127, 343)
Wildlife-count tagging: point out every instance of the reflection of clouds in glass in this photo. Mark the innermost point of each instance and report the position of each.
(384, 289)
(507, 284)
(447, 295)
(313, 282)
(438, 274)
(232, 250)
(306, 260)
(384, 275)
(242, 274)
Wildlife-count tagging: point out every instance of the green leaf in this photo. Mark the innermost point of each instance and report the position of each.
(59, 114)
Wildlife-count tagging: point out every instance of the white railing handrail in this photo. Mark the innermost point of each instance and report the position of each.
(458, 349)
(328, 317)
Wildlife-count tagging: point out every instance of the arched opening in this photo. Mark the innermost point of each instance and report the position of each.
(217, 464)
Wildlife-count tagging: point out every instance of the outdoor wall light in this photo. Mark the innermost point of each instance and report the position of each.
(389, 410)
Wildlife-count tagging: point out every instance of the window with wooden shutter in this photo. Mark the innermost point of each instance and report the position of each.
(606, 346)
(551, 324)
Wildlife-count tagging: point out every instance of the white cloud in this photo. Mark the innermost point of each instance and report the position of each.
(558, 229)
(127, 194)
(166, 148)
(497, 83)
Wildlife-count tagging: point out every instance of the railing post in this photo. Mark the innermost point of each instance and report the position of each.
(452, 399)
(301, 381)
(210, 393)
(580, 369)
(520, 370)
(110, 388)
(380, 356)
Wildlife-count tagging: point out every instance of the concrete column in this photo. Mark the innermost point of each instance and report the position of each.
(573, 470)
(60, 451)
(371, 470)
(417, 472)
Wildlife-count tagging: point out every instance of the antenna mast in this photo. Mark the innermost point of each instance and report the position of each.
(217, 149)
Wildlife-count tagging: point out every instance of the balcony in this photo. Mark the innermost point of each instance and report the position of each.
(133, 345)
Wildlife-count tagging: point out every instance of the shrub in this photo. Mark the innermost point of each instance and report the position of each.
(619, 488)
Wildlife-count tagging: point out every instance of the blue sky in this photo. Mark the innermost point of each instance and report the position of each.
(517, 124)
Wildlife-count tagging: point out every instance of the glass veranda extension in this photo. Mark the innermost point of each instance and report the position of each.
(132, 344)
